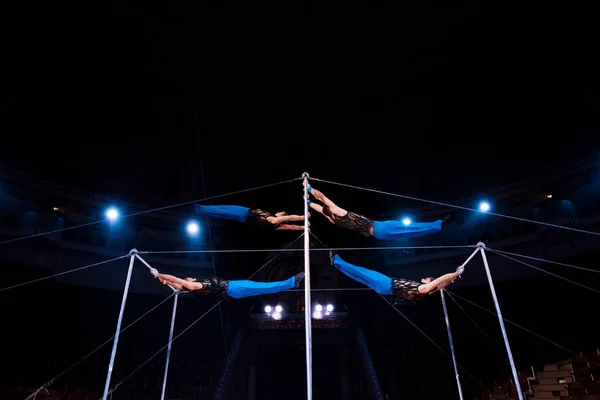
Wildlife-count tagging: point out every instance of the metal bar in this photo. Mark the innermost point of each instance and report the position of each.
(460, 394)
(164, 387)
(113, 354)
(307, 302)
(501, 320)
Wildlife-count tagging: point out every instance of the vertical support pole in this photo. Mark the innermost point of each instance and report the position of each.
(368, 365)
(460, 394)
(113, 354)
(227, 374)
(307, 302)
(501, 320)
(164, 386)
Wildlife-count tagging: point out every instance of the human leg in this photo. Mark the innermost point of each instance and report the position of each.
(234, 213)
(246, 288)
(377, 281)
(393, 229)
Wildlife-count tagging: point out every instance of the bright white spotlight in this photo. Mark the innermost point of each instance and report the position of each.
(406, 221)
(317, 315)
(278, 309)
(112, 214)
(484, 206)
(276, 315)
(193, 228)
(268, 309)
(319, 308)
(329, 307)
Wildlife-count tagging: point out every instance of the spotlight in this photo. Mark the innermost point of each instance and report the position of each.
(549, 196)
(112, 214)
(484, 206)
(329, 307)
(276, 315)
(268, 309)
(278, 309)
(406, 221)
(55, 208)
(317, 315)
(193, 228)
(319, 308)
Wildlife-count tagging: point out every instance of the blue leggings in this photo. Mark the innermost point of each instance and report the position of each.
(235, 213)
(397, 230)
(240, 289)
(375, 280)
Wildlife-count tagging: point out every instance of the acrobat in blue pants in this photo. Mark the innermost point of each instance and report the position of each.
(385, 230)
(377, 281)
(234, 213)
(241, 289)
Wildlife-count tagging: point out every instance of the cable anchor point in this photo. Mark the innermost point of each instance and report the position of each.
(305, 175)
(133, 252)
(481, 245)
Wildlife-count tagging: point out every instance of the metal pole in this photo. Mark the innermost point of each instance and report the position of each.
(164, 387)
(460, 395)
(501, 320)
(133, 253)
(307, 302)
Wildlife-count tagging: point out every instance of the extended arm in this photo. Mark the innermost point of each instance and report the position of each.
(289, 227)
(322, 198)
(431, 286)
(288, 218)
(179, 283)
(319, 208)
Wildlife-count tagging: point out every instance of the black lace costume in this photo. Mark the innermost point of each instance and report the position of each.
(260, 218)
(355, 222)
(404, 290)
(213, 286)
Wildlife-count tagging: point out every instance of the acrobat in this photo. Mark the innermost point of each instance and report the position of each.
(225, 288)
(399, 289)
(386, 230)
(252, 216)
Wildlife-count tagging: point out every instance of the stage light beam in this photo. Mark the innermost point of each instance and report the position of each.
(112, 214)
(193, 228)
(484, 206)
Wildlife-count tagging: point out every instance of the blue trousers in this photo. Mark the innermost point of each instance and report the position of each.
(234, 213)
(394, 229)
(240, 289)
(375, 280)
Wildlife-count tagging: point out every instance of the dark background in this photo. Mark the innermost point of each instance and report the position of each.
(154, 103)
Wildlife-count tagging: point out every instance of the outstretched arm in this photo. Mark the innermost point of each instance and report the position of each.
(322, 198)
(286, 218)
(289, 227)
(319, 209)
(179, 283)
(432, 286)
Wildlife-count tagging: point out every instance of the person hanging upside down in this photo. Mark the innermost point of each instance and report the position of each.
(399, 289)
(225, 288)
(252, 216)
(392, 229)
